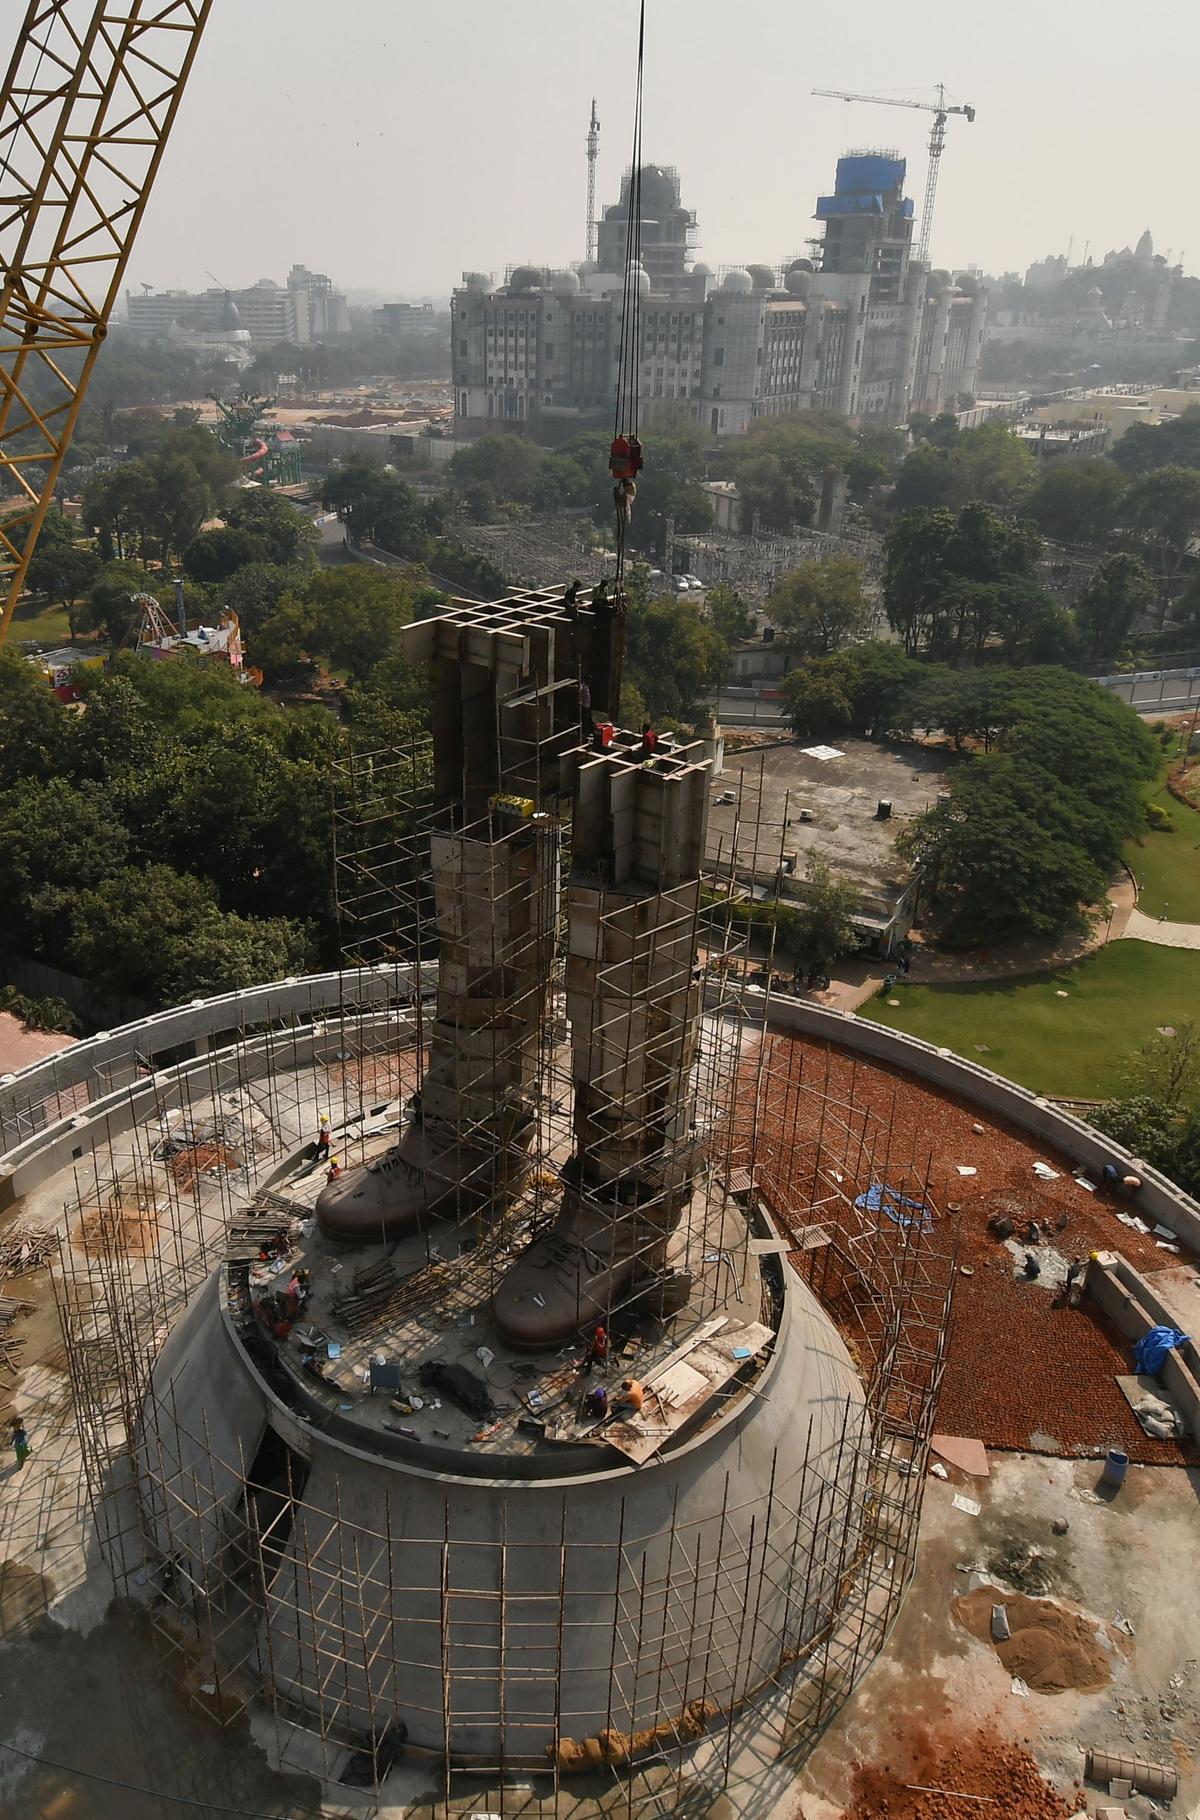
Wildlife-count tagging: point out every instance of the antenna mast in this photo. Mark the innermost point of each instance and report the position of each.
(593, 147)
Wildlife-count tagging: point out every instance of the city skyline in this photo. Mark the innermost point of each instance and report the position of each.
(391, 201)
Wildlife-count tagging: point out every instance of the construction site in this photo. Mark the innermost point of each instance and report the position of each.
(537, 1368)
(328, 1299)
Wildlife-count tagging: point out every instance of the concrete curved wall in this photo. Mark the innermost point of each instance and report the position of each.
(32, 1149)
(449, 1602)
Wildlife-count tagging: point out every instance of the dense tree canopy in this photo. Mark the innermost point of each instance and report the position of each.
(820, 606)
(986, 463)
(1032, 831)
(928, 557)
(1077, 501)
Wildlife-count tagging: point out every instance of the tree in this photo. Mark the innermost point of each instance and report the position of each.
(987, 463)
(1120, 591)
(61, 567)
(254, 592)
(728, 612)
(1028, 835)
(214, 556)
(56, 839)
(110, 607)
(1145, 1127)
(1162, 511)
(827, 913)
(1145, 447)
(1077, 501)
(870, 690)
(994, 466)
(820, 605)
(1167, 1068)
(283, 535)
(940, 432)
(997, 869)
(33, 723)
(930, 553)
(158, 935)
(673, 656)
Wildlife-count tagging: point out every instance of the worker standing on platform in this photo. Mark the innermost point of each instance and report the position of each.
(324, 1138)
(586, 723)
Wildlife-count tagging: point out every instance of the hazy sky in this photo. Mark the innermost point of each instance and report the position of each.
(393, 144)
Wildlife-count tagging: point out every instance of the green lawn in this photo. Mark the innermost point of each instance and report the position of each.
(1167, 866)
(46, 625)
(1075, 1046)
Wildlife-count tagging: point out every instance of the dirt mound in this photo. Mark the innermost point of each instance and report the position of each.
(985, 1765)
(1053, 1650)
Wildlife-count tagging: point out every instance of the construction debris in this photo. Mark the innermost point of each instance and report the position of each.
(24, 1248)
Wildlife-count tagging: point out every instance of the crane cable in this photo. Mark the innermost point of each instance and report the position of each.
(625, 459)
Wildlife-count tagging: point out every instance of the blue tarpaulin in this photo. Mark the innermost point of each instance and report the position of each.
(1149, 1355)
(882, 1198)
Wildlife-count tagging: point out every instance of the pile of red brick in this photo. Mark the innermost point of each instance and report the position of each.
(985, 1766)
(1023, 1371)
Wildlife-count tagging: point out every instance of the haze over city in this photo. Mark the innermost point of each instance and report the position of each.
(399, 145)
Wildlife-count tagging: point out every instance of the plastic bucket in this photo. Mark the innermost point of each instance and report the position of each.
(1115, 1467)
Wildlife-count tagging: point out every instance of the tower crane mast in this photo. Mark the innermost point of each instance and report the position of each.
(593, 149)
(941, 111)
(87, 105)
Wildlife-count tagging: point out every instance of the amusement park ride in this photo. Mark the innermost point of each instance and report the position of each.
(267, 453)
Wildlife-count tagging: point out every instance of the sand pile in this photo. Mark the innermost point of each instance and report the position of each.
(1053, 1650)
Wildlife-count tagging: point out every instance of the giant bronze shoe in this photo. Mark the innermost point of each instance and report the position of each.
(633, 1001)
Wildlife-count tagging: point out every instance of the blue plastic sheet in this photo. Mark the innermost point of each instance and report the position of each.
(881, 1197)
(1149, 1355)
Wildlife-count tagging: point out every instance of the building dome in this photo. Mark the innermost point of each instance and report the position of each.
(660, 191)
(587, 267)
(796, 283)
(229, 313)
(477, 281)
(566, 283)
(701, 270)
(526, 278)
(642, 276)
(762, 277)
(738, 280)
(802, 265)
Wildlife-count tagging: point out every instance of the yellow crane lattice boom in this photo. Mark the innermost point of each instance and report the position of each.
(87, 105)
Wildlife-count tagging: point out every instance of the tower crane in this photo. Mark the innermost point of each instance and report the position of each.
(941, 111)
(87, 105)
(593, 148)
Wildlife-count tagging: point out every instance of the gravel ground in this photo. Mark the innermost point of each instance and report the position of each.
(1024, 1370)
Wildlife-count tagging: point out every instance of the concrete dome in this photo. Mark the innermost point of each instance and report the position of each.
(527, 278)
(566, 283)
(587, 267)
(477, 281)
(659, 193)
(762, 277)
(701, 270)
(796, 283)
(738, 280)
(642, 276)
(802, 265)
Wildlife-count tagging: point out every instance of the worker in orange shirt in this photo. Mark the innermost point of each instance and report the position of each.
(629, 1399)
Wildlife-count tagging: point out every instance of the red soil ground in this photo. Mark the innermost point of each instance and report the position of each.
(1021, 1364)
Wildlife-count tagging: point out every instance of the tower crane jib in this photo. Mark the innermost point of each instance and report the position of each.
(941, 110)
